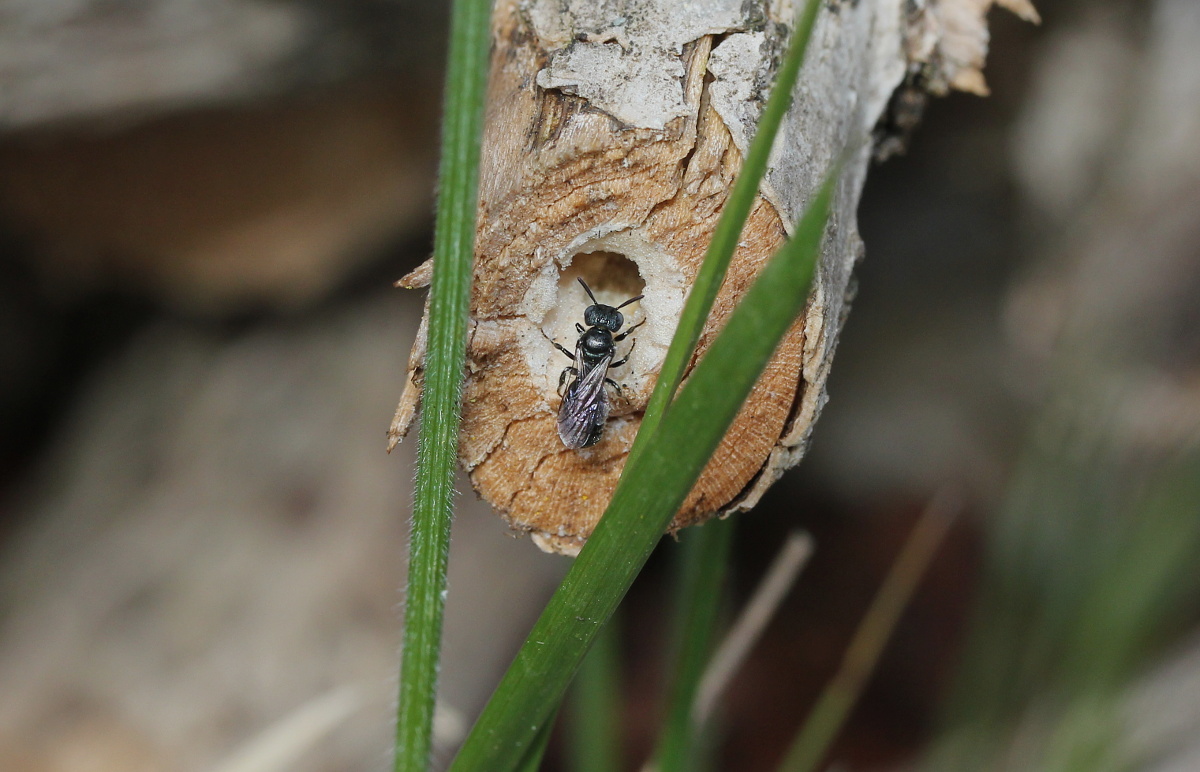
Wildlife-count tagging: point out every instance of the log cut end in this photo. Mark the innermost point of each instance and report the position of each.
(575, 185)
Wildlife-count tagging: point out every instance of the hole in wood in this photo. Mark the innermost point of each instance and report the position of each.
(613, 278)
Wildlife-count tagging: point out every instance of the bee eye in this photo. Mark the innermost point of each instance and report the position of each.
(591, 316)
(615, 321)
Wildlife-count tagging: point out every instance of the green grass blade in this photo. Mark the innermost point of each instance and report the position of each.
(698, 603)
(595, 708)
(531, 760)
(649, 494)
(437, 449)
(729, 229)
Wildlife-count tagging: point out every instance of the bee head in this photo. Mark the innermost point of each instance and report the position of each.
(600, 315)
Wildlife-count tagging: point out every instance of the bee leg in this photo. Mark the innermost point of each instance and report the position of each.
(558, 345)
(562, 378)
(579, 328)
(624, 335)
(620, 362)
(615, 385)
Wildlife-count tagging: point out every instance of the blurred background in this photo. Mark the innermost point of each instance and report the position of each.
(202, 208)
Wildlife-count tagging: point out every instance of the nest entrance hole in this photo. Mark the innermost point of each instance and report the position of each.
(612, 277)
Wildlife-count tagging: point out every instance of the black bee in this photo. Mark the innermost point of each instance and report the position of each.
(584, 406)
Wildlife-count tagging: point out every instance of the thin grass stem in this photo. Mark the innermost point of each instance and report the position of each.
(751, 623)
(701, 577)
(595, 707)
(437, 449)
(813, 740)
(729, 229)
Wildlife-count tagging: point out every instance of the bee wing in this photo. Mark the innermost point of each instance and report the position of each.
(584, 409)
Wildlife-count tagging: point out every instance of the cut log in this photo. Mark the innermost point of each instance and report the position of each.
(613, 135)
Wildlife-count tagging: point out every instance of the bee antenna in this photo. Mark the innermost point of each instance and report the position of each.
(631, 300)
(588, 290)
